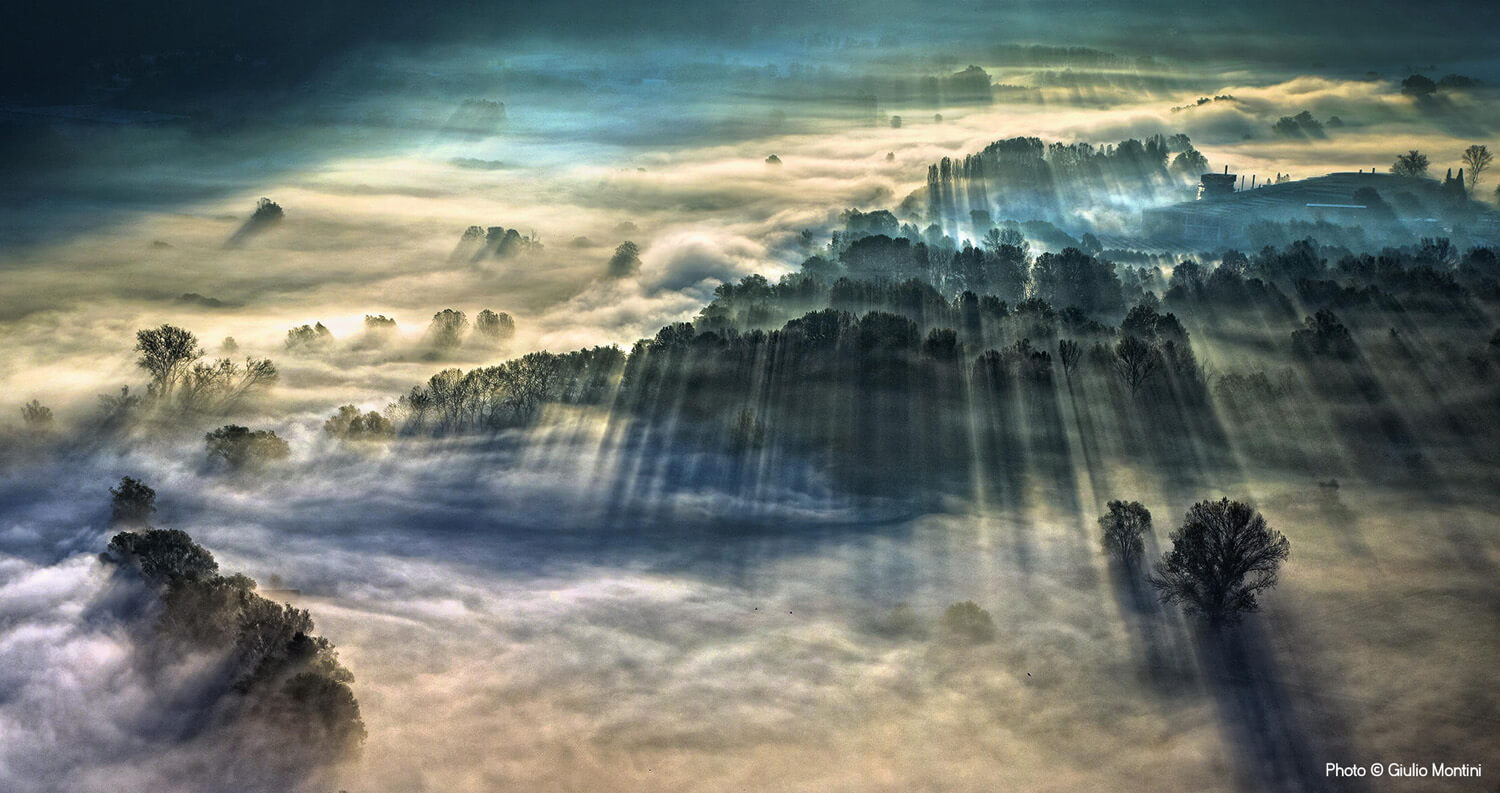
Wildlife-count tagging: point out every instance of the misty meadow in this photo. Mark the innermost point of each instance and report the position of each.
(863, 396)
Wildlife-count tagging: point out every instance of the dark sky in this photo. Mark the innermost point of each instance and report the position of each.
(50, 48)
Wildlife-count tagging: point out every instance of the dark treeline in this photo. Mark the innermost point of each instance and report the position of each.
(1027, 177)
(881, 396)
(862, 363)
(496, 397)
(890, 355)
(970, 368)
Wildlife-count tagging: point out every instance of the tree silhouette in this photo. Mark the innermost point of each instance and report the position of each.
(218, 386)
(626, 261)
(1222, 557)
(1477, 159)
(446, 332)
(167, 353)
(1322, 334)
(132, 503)
(284, 681)
(379, 323)
(1074, 278)
(1412, 163)
(1190, 163)
(1122, 528)
(163, 556)
(528, 381)
(349, 424)
(307, 338)
(494, 328)
(1418, 85)
(1069, 352)
(38, 417)
(267, 211)
(115, 411)
(1136, 362)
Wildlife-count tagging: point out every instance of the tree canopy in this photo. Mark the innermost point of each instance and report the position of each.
(1412, 163)
(1122, 528)
(132, 503)
(167, 352)
(236, 447)
(1222, 557)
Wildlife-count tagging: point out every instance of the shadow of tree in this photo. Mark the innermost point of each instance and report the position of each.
(1280, 731)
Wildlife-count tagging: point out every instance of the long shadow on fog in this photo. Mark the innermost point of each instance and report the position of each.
(1260, 713)
(1280, 730)
(1262, 720)
(1164, 650)
(637, 520)
(481, 503)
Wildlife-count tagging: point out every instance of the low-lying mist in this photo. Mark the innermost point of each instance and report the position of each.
(815, 504)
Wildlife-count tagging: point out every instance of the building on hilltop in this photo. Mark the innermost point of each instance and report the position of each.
(1221, 215)
(1213, 185)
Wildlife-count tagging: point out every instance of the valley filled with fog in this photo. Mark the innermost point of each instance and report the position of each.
(684, 414)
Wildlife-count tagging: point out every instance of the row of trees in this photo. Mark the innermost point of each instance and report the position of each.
(1027, 177)
(449, 330)
(508, 394)
(1001, 265)
(921, 281)
(875, 318)
(1147, 345)
(1476, 159)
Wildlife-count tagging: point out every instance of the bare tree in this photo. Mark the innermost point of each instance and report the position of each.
(1136, 362)
(412, 409)
(167, 354)
(446, 389)
(1222, 557)
(991, 241)
(1477, 160)
(178, 380)
(1069, 352)
(220, 386)
(528, 381)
